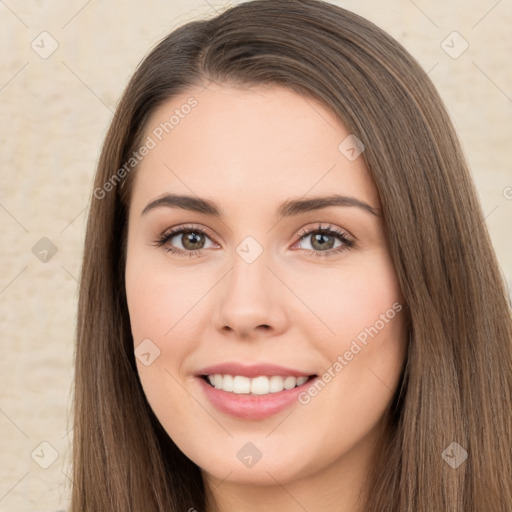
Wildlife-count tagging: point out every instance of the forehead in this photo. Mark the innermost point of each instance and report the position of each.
(247, 145)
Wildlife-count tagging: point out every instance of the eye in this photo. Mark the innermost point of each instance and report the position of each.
(191, 238)
(323, 240)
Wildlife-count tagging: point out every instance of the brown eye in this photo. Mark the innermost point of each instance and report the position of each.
(325, 241)
(191, 240)
(321, 241)
(185, 240)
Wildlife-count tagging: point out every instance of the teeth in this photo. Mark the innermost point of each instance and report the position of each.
(257, 386)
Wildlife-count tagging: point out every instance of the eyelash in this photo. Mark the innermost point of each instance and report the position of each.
(329, 230)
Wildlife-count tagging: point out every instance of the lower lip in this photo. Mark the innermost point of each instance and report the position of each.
(252, 407)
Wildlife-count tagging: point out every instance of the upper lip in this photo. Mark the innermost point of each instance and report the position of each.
(255, 370)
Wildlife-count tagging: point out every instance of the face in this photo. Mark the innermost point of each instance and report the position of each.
(266, 291)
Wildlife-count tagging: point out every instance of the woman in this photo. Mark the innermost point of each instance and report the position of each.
(261, 371)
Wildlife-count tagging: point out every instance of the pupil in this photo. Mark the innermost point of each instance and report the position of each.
(192, 240)
(319, 239)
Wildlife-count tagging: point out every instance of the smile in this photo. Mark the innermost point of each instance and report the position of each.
(260, 385)
(252, 392)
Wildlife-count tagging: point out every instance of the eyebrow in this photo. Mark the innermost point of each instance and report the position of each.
(289, 208)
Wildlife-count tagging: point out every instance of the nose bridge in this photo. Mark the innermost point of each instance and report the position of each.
(249, 298)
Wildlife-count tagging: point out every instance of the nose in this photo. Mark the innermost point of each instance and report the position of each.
(250, 302)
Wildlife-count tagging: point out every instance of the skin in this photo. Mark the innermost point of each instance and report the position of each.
(248, 150)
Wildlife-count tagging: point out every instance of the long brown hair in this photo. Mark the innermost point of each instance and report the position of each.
(457, 380)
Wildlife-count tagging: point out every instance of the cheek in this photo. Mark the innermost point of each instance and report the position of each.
(159, 303)
(349, 300)
(153, 303)
(159, 300)
(166, 306)
(363, 338)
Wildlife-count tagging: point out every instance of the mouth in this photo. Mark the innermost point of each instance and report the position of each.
(256, 398)
(253, 392)
(256, 386)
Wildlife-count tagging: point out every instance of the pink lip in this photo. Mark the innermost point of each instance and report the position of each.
(246, 406)
(251, 371)
(252, 407)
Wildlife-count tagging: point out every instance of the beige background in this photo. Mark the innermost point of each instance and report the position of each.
(54, 115)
